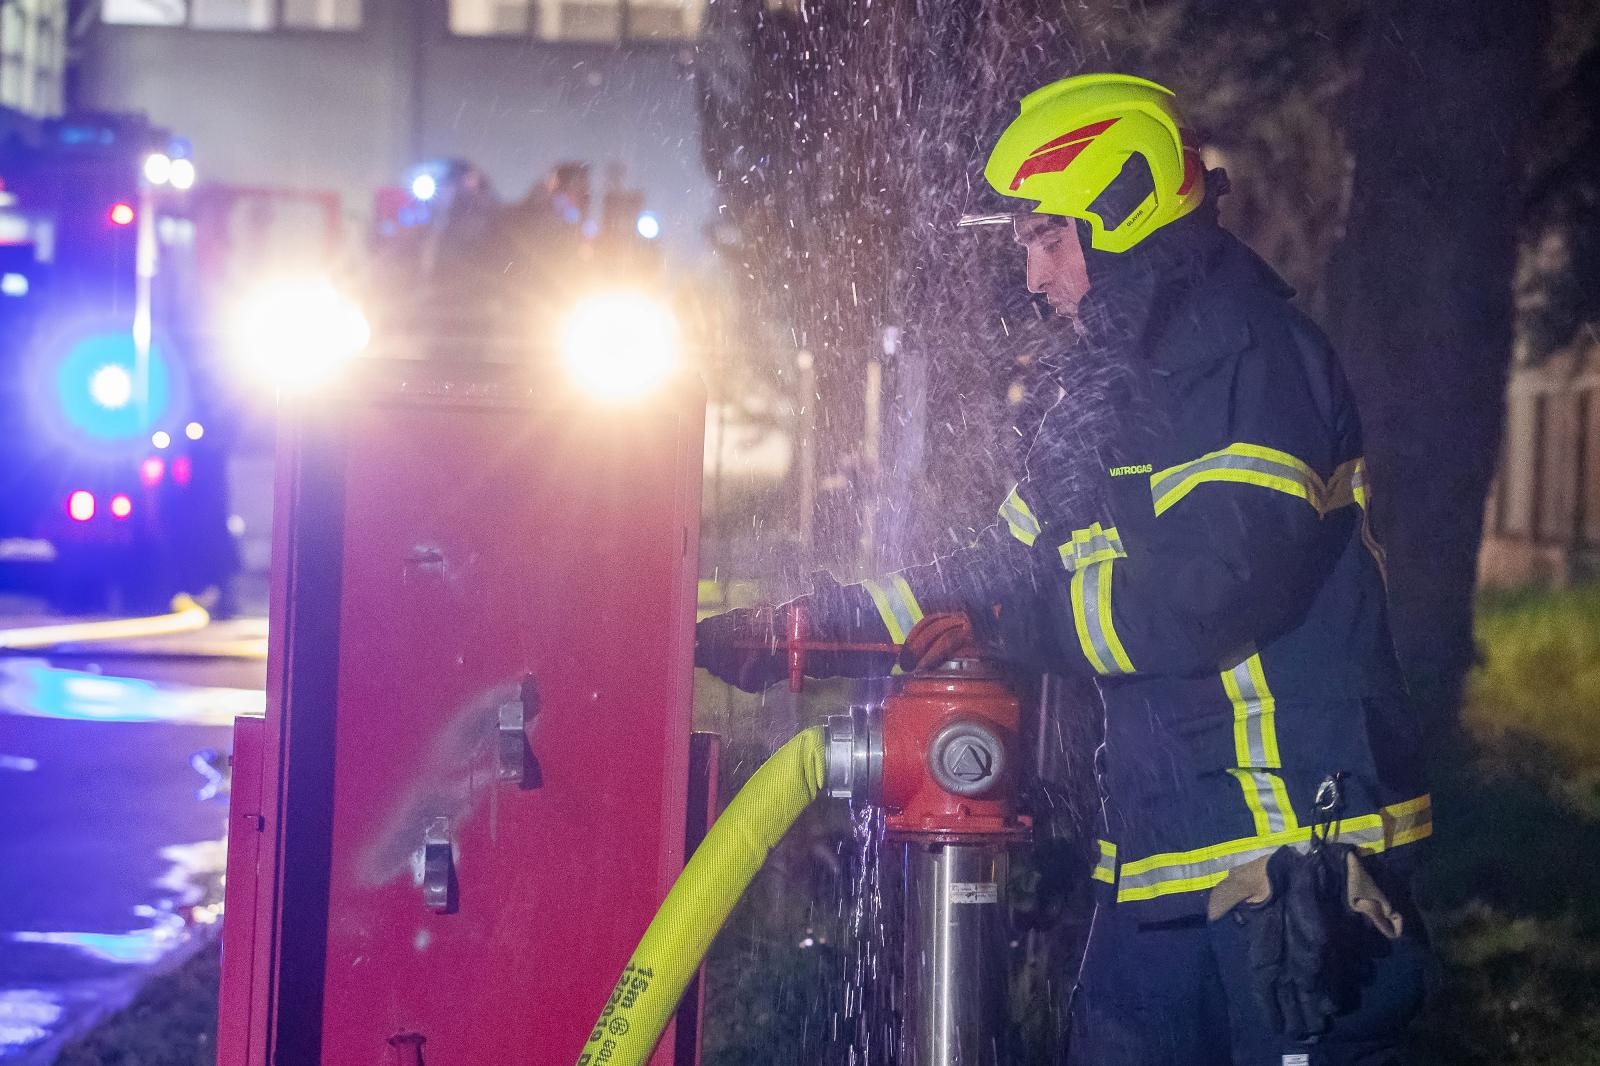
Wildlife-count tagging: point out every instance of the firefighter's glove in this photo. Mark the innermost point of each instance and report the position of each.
(743, 647)
(1303, 934)
(937, 639)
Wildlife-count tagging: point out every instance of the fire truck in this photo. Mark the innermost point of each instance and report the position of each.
(112, 455)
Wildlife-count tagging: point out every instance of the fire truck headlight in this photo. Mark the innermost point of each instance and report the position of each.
(296, 335)
(158, 168)
(620, 345)
(183, 174)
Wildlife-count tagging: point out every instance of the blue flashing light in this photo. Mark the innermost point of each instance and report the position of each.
(87, 362)
(81, 134)
(648, 226)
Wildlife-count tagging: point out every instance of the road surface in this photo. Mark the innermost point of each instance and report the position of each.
(111, 827)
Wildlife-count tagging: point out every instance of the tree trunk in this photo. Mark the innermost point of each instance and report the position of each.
(1421, 301)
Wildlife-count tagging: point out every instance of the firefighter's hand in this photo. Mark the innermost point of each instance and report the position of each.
(936, 639)
(743, 647)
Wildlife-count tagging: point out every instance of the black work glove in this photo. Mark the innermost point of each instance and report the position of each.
(1298, 939)
(744, 647)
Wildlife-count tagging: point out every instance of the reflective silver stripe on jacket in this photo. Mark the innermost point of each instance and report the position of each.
(1105, 867)
(1092, 616)
(896, 604)
(1019, 518)
(1091, 545)
(1256, 745)
(1248, 463)
(1160, 875)
(1348, 485)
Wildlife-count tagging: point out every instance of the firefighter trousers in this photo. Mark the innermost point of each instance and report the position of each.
(1179, 992)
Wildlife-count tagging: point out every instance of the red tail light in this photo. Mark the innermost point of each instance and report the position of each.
(182, 470)
(80, 505)
(152, 470)
(121, 506)
(121, 214)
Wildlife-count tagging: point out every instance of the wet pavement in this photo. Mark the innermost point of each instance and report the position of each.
(111, 825)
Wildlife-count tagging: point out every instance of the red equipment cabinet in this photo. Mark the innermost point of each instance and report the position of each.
(477, 752)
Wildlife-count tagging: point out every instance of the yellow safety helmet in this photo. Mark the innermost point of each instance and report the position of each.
(1076, 137)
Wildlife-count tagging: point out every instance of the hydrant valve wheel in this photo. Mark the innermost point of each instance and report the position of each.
(966, 758)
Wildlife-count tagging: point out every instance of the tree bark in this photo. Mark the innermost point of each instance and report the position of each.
(1421, 301)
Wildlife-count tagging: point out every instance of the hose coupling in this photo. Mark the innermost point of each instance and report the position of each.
(854, 755)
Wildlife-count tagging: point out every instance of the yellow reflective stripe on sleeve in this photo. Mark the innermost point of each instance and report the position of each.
(907, 597)
(897, 605)
(1105, 867)
(1107, 623)
(1255, 744)
(1347, 485)
(1093, 544)
(1080, 623)
(1092, 618)
(1254, 464)
(1250, 464)
(1020, 518)
(1190, 871)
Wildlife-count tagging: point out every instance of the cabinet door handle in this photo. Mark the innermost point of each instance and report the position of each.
(438, 867)
(514, 714)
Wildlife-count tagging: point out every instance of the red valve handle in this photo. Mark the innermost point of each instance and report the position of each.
(796, 646)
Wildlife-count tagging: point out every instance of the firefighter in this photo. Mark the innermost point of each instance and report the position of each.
(1202, 550)
(548, 256)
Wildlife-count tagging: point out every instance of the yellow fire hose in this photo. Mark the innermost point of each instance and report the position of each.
(653, 981)
(186, 616)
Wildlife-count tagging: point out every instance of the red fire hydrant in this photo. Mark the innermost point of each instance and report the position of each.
(942, 758)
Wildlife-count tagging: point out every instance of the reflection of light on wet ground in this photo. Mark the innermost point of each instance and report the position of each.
(32, 687)
(26, 1016)
(140, 947)
(20, 763)
(191, 891)
(195, 873)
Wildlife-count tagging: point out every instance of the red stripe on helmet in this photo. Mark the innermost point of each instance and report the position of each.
(1056, 155)
(1192, 170)
(1049, 162)
(1092, 130)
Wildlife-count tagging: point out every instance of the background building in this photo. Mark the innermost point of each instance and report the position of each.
(340, 96)
(33, 52)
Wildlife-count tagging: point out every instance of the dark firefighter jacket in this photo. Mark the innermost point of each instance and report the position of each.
(1228, 597)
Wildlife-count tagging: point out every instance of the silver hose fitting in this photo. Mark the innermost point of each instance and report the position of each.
(854, 755)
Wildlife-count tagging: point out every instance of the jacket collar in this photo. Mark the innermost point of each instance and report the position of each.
(1212, 319)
